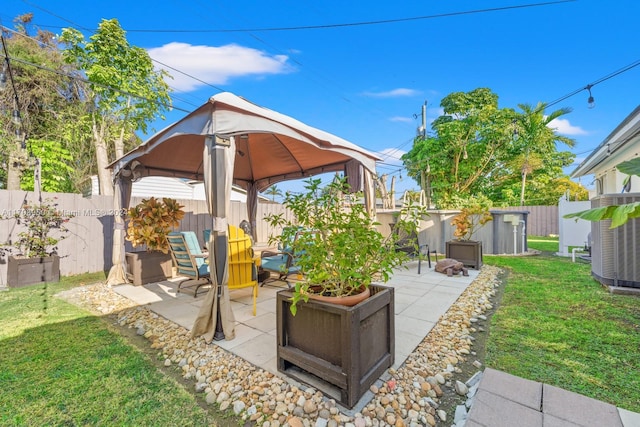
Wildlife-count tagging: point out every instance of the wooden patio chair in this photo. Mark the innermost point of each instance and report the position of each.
(243, 269)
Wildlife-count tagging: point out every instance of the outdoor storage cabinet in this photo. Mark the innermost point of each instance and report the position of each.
(340, 350)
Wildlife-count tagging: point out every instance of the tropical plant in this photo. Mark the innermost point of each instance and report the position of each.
(40, 220)
(470, 219)
(338, 249)
(618, 214)
(273, 191)
(151, 221)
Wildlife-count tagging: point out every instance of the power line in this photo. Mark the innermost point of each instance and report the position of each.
(71, 76)
(351, 24)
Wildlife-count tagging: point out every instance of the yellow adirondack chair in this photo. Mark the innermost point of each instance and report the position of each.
(191, 262)
(243, 270)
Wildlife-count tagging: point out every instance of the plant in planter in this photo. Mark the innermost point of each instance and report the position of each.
(36, 260)
(150, 222)
(337, 248)
(339, 253)
(466, 223)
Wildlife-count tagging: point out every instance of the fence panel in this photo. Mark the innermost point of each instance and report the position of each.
(88, 247)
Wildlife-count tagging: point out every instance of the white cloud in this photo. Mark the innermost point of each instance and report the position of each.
(215, 64)
(564, 127)
(402, 119)
(394, 93)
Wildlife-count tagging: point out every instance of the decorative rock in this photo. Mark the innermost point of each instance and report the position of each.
(461, 388)
(408, 396)
(211, 397)
(295, 422)
(238, 406)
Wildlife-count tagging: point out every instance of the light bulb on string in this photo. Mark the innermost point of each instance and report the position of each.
(591, 102)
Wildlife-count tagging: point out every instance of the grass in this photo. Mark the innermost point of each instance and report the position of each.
(60, 365)
(557, 325)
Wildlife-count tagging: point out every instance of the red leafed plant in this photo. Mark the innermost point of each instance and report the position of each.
(469, 220)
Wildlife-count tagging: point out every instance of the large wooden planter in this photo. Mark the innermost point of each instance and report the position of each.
(467, 252)
(31, 271)
(148, 267)
(340, 350)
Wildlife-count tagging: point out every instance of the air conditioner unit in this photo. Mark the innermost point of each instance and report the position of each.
(615, 253)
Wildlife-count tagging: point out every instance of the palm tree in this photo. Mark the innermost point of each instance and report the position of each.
(536, 140)
(273, 191)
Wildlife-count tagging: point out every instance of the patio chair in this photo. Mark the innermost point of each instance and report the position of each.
(409, 243)
(243, 269)
(281, 262)
(192, 262)
(189, 260)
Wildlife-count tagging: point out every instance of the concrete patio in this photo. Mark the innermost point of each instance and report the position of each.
(420, 300)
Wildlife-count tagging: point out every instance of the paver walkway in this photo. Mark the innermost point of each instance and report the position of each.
(504, 400)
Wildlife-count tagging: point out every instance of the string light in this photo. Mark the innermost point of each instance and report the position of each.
(591, 103)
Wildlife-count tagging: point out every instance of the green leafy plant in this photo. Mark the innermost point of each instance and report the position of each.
(469, 220)
(337, 247)
(618, 214)
(41, 221)
(151, 221)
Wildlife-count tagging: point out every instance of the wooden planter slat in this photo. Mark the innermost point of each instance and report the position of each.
(344, 347)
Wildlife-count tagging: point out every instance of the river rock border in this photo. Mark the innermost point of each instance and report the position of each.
(409, 397)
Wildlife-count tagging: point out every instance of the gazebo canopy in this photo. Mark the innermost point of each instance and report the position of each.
(227, 140)
(270, 146)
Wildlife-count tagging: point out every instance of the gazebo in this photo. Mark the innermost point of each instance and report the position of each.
(231, 140)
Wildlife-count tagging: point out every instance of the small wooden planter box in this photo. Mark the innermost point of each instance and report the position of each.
(340, 350)
(467, 252)
(148, 267)
(32, 271)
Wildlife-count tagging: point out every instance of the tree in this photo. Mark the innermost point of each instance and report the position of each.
(273, 191)
(469, 141)
(478, 148)
(536, 141)
(124, 91)
(40, 89)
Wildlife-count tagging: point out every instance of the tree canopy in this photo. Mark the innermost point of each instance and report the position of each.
(477, 148)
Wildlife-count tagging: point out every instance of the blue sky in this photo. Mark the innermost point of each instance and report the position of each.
(365, 83)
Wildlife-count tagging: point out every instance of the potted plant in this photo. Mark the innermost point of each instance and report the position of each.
(36, 260)
(149, 224)
(466, 223)
(321, 332)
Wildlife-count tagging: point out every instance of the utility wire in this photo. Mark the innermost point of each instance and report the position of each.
(351, 24)
(71, 76)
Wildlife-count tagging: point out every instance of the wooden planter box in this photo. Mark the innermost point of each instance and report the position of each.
(31, 271)
(148, 267)
(340, 350)
(467, 252)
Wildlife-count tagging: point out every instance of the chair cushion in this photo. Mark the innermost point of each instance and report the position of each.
(274, 263)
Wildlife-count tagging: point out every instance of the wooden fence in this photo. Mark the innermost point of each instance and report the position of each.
(88, 247)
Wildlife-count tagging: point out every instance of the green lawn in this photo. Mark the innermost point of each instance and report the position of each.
(60, 365)
(557, 325)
